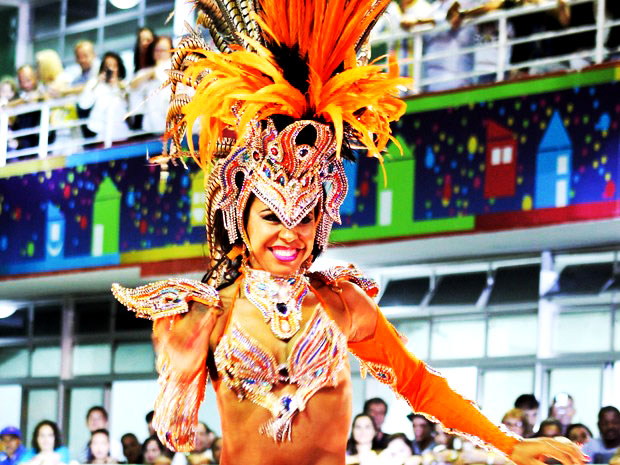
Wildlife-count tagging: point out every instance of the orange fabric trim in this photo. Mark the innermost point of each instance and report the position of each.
(425, 390)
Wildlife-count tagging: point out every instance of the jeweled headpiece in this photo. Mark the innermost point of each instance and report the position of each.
(305, 60)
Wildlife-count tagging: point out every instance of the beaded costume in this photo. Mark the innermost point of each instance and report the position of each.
(281, 103)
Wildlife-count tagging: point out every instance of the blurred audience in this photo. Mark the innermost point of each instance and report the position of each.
(397, 450)
(132, 449)
(149, 422)
(86, 61)
(359, 445)
(8, 90)
(29, 92)
(147, 97)
(529, 405)
(141, 58)
(216, 451)
(579, 433)
(549, 428)
(11, 438)
(153, 452)
(423, 434)
(377, 409)
(603, 448)
(47, 447)
(106, 96)
(563, 409)
(515, 420)
(201, 455)
(97, 421)
(99, 446)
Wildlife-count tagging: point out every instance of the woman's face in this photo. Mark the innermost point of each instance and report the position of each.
(161, 51)
(363, 430)
(145, 38)
(151, 451)
(550, 431)
(111, 64)
(6, 92)
(515, 425)
(579, 435)
(398, 450)
(274, 247)
(45, 438)
(100, 446)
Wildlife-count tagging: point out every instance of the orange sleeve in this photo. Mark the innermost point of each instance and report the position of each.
(427, 392)
(182, 344)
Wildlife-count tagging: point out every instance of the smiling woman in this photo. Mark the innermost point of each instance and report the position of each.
(281, 106)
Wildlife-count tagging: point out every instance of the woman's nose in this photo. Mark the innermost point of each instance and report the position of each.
(287, 234)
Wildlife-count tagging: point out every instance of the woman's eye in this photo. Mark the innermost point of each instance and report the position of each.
(307, 219)
(272, 218)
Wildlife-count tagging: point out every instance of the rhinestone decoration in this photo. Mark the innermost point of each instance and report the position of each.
(251, 371)
(290, 179)
(350, 273)
(278, 299)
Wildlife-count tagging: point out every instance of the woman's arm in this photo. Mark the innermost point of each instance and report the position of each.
(382, 352)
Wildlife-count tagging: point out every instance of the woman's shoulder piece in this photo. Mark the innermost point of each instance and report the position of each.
(165, 298)
(333, 276)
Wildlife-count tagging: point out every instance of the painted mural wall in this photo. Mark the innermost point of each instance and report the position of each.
(538, 152)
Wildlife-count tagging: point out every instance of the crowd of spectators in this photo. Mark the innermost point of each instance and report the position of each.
(431, 445)
(117, 103)
(47, 448)
(105, 92)
(368, 444)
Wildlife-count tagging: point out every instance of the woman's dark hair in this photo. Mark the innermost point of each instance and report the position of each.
(351, 444)
(142, 61)
(157, 441)
(548, 422)
(122, 72)
(57, 435)
(401, 436)
(572, 426)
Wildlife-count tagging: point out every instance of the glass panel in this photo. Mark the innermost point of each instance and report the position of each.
(133, 396)
(617, 333)
(134, 358)
(92, 317)
(53, 43)
(47, 321)
(505, 341)
(457, 339)
(127, 321)
(79, 10)
(463, 380)
(417, 334)
(405, 292)
(584, 385)
(80, 400)
(15, 325)
(459, 289)
(11, 405)
(42, 405)
(46, 18)
(615, 400)
(120, 37)
(45, 361)
(515, 284)
(500, 390)
(92, 359)
(156, 22)
(13, 363)
(582, 332)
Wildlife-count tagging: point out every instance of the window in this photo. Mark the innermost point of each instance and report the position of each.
(496, 156)
(457, 339)
(500, 388)
(15, 325)
(80, 400)
(91, 359)
(507, 155)
(576, 332)
(42, 405)
(11, 405)
(13, 362)
(459, 289)
(47, 320)
(45, 361)
(504, 340)
(92, 317)
(401, 292)
(584, 385)
(562, 165)
(417, 333)
(134, 358)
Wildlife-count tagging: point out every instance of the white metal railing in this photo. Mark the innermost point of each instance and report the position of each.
(66, 145)
(411, 45)
(415, 56)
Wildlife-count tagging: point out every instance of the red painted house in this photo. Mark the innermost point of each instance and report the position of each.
(501, 161)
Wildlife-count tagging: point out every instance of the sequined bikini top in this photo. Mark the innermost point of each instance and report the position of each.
(251, 371)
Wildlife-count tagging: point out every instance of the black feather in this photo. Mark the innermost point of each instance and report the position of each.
(294, 66)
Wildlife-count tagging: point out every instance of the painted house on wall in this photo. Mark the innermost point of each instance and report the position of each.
(553, 166)
(501, 161)
(106, 219)
(55, 232)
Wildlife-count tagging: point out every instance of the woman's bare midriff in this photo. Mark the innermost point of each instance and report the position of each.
(318, 433)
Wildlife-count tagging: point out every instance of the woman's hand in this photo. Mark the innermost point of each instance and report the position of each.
(535, 451)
